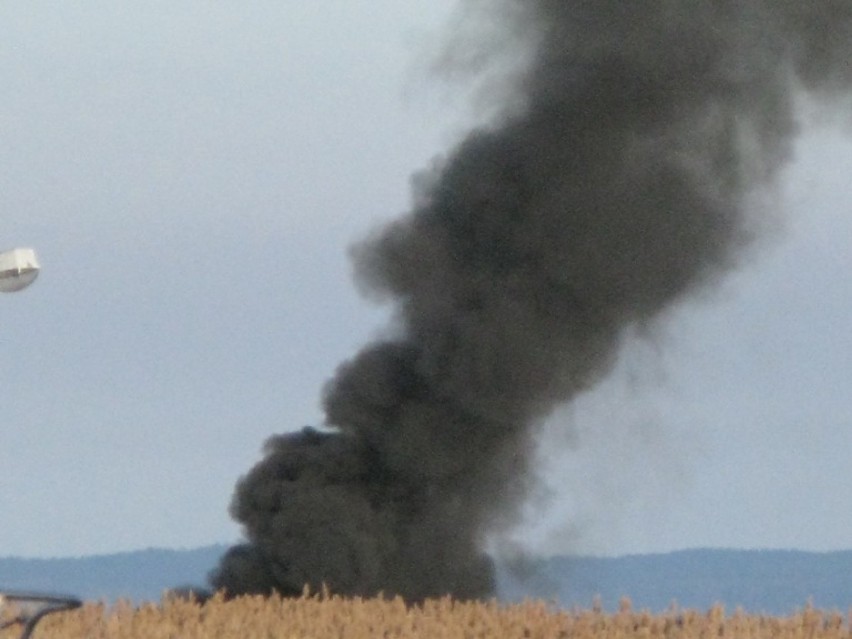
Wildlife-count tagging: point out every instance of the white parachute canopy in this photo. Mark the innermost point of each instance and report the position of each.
(18, 269)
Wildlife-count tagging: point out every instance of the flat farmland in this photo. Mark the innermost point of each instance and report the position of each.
(323, 616)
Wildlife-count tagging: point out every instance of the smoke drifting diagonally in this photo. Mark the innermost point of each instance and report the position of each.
(616, 187)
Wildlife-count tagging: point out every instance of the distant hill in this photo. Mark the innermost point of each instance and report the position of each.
(141, 575)
(770, 581)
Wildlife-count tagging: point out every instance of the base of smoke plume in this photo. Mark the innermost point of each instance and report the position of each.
(322, 510)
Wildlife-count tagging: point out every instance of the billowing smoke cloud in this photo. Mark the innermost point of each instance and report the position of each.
(613, 185)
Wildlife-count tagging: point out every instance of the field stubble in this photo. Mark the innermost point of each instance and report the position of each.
(322, 616)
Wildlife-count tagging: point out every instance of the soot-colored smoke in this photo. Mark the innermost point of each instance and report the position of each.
(613, 185)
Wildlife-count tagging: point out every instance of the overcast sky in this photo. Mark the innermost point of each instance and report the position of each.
(192, 175)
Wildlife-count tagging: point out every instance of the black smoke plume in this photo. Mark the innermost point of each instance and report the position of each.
(613, 185)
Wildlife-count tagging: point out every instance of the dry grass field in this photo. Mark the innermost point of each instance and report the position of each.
(322, 617)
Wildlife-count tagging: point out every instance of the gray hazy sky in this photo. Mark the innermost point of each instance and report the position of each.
(192, 174)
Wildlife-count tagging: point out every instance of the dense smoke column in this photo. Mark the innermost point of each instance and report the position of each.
(612, 186)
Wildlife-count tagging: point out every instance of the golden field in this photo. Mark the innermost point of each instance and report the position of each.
(322, 617)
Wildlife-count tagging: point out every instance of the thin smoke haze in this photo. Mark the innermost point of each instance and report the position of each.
(612, 184)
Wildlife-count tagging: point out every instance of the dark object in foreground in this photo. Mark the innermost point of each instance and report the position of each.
(33, 607)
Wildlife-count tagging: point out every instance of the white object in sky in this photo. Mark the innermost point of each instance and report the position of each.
(18, 269)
